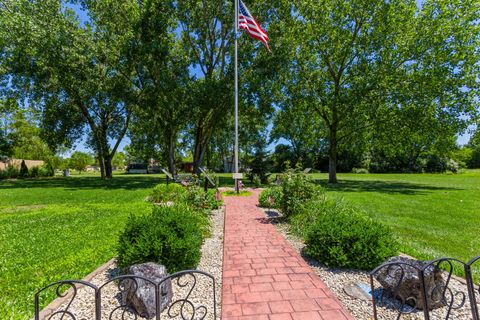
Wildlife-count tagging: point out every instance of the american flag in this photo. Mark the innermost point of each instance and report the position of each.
(247, 22)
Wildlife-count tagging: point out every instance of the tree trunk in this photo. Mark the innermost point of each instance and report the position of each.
(108, 167)
(199, 152)
(101, 164)
(332, 157)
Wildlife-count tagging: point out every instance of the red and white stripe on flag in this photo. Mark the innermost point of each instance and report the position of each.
(247, 22)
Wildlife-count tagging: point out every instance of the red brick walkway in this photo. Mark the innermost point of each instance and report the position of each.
(264, 278)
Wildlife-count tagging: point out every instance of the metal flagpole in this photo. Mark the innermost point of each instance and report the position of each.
(236, 176)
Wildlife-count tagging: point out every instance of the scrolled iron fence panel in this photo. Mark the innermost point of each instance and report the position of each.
(173, 297)
(395, 272)
(61, 291)
(185, 307)
(473, 289)
(445, 293)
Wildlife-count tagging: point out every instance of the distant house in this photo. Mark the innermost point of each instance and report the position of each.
(92, 168)
(18, 162)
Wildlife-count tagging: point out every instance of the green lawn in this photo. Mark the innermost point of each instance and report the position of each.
(60, 228)
(434, 215)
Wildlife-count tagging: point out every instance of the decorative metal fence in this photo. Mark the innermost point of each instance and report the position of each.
(445, 295)
(192, 297)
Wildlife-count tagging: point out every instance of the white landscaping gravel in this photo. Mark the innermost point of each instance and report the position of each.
(83, 306)
(336, 279)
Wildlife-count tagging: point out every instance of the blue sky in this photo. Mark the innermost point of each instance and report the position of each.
(81, 146)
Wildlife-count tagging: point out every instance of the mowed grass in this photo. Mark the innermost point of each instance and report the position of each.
(433, 215)
(60, 228)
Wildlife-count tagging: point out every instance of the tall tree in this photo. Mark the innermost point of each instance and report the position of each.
(356, 61)
(207, 29)
(84, 76)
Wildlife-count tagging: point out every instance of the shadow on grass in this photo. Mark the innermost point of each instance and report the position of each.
(389, 187)
(87, 182)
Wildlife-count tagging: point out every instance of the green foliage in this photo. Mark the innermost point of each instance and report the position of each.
(192, 195)
(297, 189)
(201, 200)
(271, 198)
(11, 172)
(341, 237)
(360, 170)
(34, 172)
(163, 193)
(23, 170)
(257, 182)
(171, 236)
(79, 160)
(259, 165)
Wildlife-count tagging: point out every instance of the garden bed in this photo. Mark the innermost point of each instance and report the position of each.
(211, 262)
(337, 279)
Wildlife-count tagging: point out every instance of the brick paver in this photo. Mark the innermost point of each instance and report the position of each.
(264, 278)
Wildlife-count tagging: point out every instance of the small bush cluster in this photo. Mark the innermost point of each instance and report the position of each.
(335, 233)
(348, 239)
(270, 198)
(297, 189)
(164, 193)
(13, 172)
(360, 170)
(191, 195)
(171, 236)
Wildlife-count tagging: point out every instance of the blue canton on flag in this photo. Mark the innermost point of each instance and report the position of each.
(247, 22)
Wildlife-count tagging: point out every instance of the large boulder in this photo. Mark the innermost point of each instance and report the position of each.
(406, 285)
(140, 294)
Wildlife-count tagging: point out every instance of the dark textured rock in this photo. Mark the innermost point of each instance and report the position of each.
(406, 285)
(140, 294)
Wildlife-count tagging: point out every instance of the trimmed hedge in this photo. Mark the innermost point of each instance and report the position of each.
(343, 238)
(171, 236)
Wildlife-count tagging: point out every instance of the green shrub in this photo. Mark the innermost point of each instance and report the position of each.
(171, 236)
(197, 198)
(163, 193)
(11, 172)
(343, 238)
(35, 172)
(47, 170)
(212, 201)
(297, 189)
(274, 194)
(23, 170)
(192, 195)
(360, 170)
(257, 182)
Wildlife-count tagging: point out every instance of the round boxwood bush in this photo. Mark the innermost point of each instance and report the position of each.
(348, 239)
(275, 194)
(171, 236)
